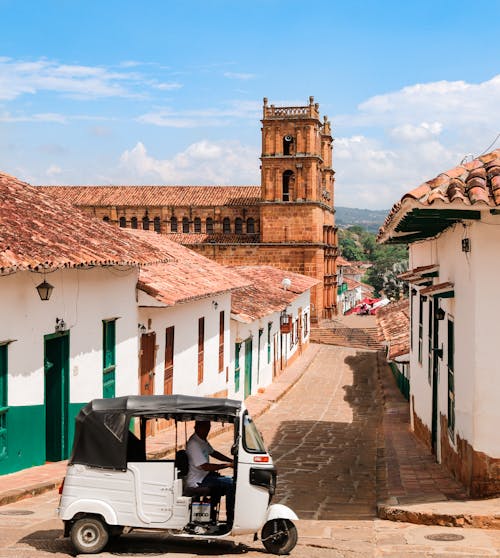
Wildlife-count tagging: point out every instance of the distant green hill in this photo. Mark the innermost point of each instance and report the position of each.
(369, 219)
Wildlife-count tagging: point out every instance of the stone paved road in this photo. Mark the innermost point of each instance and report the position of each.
(324, 435)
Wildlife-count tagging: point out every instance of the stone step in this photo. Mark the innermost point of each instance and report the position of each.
(348, 337)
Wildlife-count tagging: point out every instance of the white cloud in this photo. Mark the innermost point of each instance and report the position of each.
(203, 162)
(19, 77)
(53, 170)
(423, 132)
(411, 135)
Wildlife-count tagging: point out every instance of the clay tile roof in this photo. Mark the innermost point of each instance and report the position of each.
(188, 276)
(214, 238)
(266, 293)
(439, 288)
(352, 284)
(474, 185)
(130, 196)
(394, 324)
(418, 272)
(39, 231)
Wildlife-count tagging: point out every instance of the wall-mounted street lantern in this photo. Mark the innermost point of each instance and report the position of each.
(44, 290)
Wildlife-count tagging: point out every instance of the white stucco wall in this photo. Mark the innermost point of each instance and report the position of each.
(184, 317)
(262, 370)
(474, 312)
(82, 298)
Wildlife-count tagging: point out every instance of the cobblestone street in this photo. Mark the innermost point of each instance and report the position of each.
(324, 435)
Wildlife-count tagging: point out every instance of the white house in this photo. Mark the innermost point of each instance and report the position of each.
(270, 325)
(79, 343)
(183, 321)
(453, 226)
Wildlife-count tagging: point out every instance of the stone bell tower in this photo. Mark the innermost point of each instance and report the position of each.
(297, 184)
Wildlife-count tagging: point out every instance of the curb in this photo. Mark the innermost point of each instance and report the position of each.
(14, 495)
(410, 514)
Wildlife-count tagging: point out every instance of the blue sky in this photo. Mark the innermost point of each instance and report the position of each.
(170, 92)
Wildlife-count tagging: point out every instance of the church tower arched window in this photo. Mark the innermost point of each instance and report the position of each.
(145, 223)
(250, 226)
(123, 222)
(185, 225)
(209, 225)
(288, 145)
(133, 222)
(238, 225)
(197, 225)
(226, 225)
(287, 185)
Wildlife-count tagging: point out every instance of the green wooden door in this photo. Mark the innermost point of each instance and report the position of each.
(56, 365)
(3, 401)
(237, 348)
(108, 358)
(248, 367)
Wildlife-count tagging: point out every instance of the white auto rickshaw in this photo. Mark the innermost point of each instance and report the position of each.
(111, 487)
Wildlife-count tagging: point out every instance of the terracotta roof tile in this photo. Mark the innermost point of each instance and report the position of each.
(130, 196)
(417, 272)
(189, 276)
(394, 323)
(437, 289)
(463, 187)
(266, 293)
(39, 231)
(215, 238)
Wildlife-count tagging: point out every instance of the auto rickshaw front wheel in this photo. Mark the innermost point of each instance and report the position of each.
(279, 536)
(89, 535)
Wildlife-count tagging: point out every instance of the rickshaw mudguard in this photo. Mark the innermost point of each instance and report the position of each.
(88, 506)
(279, 511)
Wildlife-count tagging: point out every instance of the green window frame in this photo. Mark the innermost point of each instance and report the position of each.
(3, 400)
(451, 377)
(420, 327)
(237, 348)
(430, 333)
(269, 327)
(108, 358)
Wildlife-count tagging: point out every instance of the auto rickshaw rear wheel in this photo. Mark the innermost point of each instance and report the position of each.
(89, 535)
(279, 536)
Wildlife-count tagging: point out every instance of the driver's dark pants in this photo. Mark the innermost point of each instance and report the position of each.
(221, 486)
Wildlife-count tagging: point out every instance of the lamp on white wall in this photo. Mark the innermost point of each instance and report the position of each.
(44, 290)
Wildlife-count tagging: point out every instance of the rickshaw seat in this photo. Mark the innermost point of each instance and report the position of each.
(182, 465)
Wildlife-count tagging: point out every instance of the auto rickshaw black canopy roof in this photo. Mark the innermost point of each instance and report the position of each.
(102, 437)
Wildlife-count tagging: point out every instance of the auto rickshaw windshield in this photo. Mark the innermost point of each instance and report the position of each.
(252, 440)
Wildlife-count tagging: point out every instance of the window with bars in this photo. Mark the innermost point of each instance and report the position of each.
(420, 327)
(451, 376)
(201, 348)
(168, 378)
(108, 358)
(221, 342)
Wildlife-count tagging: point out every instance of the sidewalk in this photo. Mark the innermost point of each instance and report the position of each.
(411, 486)
(36, 480)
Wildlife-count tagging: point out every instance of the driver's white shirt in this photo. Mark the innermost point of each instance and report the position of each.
(198, 452)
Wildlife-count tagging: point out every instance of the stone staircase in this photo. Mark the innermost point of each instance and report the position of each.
(335, 332)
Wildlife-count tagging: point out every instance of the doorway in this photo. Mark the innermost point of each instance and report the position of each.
(248, 367)
(56, 368)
